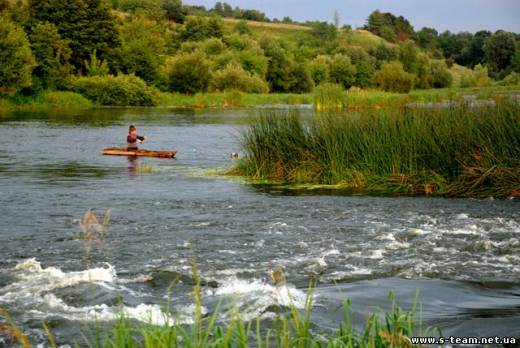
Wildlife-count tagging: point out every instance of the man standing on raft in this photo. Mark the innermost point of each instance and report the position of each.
(132, 140)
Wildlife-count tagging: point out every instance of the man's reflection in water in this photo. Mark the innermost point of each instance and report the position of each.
(132, 165)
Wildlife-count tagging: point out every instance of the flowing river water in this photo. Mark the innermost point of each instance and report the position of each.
(461, 255)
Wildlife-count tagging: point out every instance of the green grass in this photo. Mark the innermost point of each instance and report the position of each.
(357, 98)
(44, 101)
(231, 99)
(286, 32)
(458, 151)
(362, 38)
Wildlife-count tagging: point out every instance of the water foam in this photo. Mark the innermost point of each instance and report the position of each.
(34, 286)
(253, 298)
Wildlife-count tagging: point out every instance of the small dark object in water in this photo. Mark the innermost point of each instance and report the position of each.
(233, 155)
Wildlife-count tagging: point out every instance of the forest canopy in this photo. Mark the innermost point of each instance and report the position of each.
(172, 47)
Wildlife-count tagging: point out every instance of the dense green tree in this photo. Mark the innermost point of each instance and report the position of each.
(52, 55)
(474, 54)
(16, 59)
(364, 62)
(454, 45)
(393, 77)
(174, 10)
(320, 69)
(515, 61)
(408, 55)
(499, 49)
(389, 26)
(143, 46)
(201, 28)
(324, 31)
(86, 24)
(441, 76)
(279, 68)
(234, 77)
(384, 53)
(427, 38)
(423, 71)
(300, 78)
(189, 73)
(253, 62)
(342, 71)
(251, 15)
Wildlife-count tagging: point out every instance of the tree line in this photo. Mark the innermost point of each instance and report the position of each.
(150, 46)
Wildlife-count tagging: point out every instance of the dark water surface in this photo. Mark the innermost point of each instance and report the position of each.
(462, 255)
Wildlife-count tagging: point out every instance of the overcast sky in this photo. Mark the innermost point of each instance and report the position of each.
(454, 15)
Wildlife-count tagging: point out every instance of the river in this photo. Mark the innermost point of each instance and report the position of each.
(461, 255)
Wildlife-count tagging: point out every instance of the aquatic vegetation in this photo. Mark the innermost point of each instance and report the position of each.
(456, 151)
(329, 96)
(292, 327)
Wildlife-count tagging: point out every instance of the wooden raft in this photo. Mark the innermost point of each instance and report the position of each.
(114, 151)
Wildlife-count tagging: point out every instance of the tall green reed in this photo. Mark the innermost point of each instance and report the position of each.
(452, 151)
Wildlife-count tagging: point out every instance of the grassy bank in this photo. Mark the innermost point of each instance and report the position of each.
(45, 101)
(358, 98)
(322, 99)
(459, 151)
(231, 99)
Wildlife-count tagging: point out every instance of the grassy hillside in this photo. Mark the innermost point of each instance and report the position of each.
(362, 38)
(359, 37)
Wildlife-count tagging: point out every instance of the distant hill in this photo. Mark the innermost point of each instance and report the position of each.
(358, 37)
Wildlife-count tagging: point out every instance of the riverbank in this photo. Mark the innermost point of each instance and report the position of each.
(457, 151)
(352, 99)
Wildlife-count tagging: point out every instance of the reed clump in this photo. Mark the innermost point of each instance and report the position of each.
(330, 96)
(456, 151)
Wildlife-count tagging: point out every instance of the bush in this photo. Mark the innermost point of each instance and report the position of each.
(478, 77)
(189, 73)
(513, 79)
(235, 78)
(52, 55)
(143, 46)
(212, 46)
(320, 69)
(441, 76)
(364, 64)
(121, 90)
(392, 77)
(342, 71)
(201, 28)
(254, 63)
(300, 78)
(67, 100)
(242, 28)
